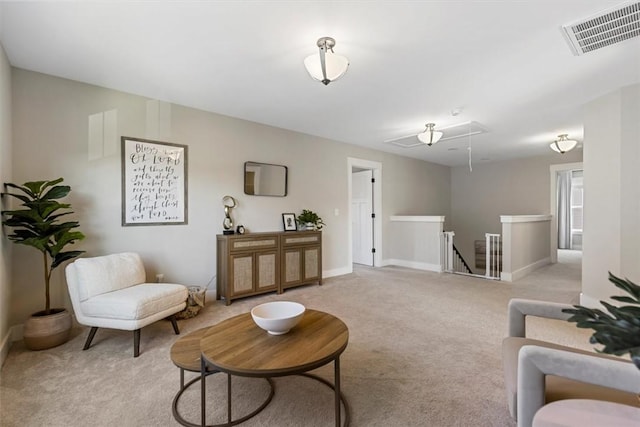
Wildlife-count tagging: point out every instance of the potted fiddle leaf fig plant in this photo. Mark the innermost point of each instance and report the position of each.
(618, 331)
(310, 220)
(38, 224)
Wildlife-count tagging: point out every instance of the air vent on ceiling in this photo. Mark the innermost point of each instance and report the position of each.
(605, 29)
(459, 130)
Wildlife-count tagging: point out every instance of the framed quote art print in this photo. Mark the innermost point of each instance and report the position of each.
(154, 182)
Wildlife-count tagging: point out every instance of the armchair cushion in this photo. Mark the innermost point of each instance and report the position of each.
(135, 302)
(108, 273)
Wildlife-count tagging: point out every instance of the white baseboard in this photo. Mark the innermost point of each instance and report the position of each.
(16, 332)
(337, 272)
(13, 334)
(210, 295)
(414, 264)
(505, 277)
(521, 272)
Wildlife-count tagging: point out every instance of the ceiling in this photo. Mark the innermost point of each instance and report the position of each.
(504, 64)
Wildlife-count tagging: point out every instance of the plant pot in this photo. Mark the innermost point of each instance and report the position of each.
(43, 331)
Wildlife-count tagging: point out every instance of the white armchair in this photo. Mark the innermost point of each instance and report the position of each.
(110, 292)
(559, 373)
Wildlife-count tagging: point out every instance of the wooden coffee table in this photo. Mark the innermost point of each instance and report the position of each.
(237, 346)
(186, 355)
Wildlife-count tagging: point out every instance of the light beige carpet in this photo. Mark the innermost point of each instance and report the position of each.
(424, 350)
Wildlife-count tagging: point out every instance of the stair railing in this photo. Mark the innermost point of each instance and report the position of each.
(447, 250)
(493, 256)
(459, 264)
(453, 260)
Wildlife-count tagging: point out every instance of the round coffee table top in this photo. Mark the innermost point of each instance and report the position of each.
(239, 347)
(185, 352)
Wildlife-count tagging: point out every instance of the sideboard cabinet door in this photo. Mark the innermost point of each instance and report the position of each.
(301, 258)
(312, 261)
(267, 271)
(247, 265)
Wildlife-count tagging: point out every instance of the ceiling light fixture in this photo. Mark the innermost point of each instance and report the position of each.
(327, 66)
(563, 144)
(430, 136)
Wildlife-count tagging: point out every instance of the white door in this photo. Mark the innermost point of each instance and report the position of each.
(362, 221)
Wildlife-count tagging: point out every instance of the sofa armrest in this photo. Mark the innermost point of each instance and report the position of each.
(534, 363)
(518, 309)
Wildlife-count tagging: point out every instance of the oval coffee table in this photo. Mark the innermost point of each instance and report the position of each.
(237, 346)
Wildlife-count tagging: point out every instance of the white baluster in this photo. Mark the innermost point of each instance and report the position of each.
(449, 264)
(492, 242)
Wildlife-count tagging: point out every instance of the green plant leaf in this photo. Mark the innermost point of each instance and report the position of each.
(24, 189)
(35, 187)
(17, 196)
(617, 330)
(38, 223)
(63, 239)
(627, 286)
(625, 299)
(57, 192)
(64, 256)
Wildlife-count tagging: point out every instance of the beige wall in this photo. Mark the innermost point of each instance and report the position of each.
(630, 183)
(50, 129)
(515, 187)
(612, 193)
(5, 176)
(415, 242)
(526, 246)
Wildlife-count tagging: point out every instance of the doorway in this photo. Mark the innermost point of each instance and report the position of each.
(362, 216)
(570, 197)
(566, 206)
(365, 207)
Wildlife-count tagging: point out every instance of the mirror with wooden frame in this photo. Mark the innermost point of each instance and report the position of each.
(264, 179)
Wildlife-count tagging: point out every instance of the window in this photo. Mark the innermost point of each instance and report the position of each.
(577, 201)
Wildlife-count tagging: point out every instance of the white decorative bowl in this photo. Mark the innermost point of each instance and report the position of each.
(277, 317)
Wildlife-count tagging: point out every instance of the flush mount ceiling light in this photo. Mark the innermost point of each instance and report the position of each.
(430, 136)
(563, 144)
(326, 66)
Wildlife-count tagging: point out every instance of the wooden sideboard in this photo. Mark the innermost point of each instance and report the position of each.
(255, 263)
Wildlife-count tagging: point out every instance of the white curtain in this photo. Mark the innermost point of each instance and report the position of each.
(564, 209)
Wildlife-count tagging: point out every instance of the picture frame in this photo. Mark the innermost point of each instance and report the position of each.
(154, 182)
(289, 222)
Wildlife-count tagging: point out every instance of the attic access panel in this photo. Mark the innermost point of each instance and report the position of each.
(460, 130)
